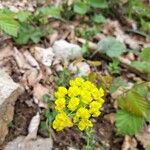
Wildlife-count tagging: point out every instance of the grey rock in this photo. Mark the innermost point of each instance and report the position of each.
(21, 144)
(9, 92)
(66, 51)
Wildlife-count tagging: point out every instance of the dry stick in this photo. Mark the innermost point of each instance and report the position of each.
(124, 64)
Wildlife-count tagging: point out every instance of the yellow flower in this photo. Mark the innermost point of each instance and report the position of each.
(83, 99)
(77, 82)
(84, 124)
(87, 85)
(94, 108)
(85, 96)
(61, 121)
(82, 113)
(73, 91)
(60, 104)
(101, 91)
(96, 113)
(62, 91)
(73, 103)
(97, 94)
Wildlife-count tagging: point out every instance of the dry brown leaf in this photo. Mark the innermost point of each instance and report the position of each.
(31, 60)
(33, 127)
(44, 56)
(129, 143)
(5, 52)
(38, 92)
(110, 117)
(32, 77)
(144, 136)
(20, 59)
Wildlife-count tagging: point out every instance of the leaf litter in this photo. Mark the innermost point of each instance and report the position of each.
(35, 68)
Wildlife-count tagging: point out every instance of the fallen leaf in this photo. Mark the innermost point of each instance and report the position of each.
(38, 92)
(144, 137)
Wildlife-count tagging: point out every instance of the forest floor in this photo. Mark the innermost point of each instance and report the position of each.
(40, 70)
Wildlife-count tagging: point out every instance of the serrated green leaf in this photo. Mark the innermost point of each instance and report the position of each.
(52, 11)
(141, 66)
(117, 83)
(23, 16)
(145, 54)
(128, 123)
(111, 47)
(134, 103)
(98, 3)
(141, 89)
(81, 8)
(28, 32)
(99, 18)
(8, 24)
(147, 118)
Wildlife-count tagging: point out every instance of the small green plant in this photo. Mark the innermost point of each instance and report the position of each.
(114, 67)
(89, 138)
(25, 26)
(144, 62)
(75, 106)
(140, 11)
(111, 47)
(134, 109)
(63, 78)
(83, 7)
(87, 32)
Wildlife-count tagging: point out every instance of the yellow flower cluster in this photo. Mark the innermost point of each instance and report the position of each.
(77, 104)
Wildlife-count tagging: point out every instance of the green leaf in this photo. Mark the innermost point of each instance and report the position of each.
(23, 16)
(81, 7)
(117, 83)
(134, 103)
(147, 147)
(8, 24)
(141, 66)
(52, 11)
(141, 89)
(145, 54)
(28, 32)
(128, 123)
(111, 47)
(99, 18)
(147, 118)
(98, 3)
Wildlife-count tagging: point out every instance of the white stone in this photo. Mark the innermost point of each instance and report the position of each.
(81, 69)
(9, 92)
(45, 56)
(39, 144)
(66, 51)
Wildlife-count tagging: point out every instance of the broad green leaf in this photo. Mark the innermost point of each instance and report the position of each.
(141, 89)
(147, 147)
(111, 47)
(117, 83)
(8, 24)
(28, 32)
(141, 66)
(98, 3)
(134, 103)
(147, 118)
(81, 8)
(23, 16)
(128, 123)
(145, 54)
(52, 11)
(99, 18)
